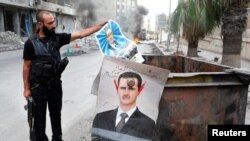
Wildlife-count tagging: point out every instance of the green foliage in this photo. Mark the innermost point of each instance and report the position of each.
(198, 18)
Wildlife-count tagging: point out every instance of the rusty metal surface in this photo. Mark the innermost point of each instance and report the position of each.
(197, 94)
(180, 64)
(192, 65)
(185, 112)
(174, 64)
(203, 79)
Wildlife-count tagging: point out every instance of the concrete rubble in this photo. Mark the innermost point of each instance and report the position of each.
(10, 41)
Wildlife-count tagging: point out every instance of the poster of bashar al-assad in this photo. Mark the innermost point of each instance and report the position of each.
(112, 42)
(127, 100)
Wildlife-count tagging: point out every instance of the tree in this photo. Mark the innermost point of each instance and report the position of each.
(198, 18)
(234, 23)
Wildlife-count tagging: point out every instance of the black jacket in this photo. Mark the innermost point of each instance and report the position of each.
(138, 126)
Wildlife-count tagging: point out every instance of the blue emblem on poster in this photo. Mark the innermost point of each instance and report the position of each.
(113, 43)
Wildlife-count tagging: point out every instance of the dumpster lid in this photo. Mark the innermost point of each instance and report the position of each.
(172, 75)
(242, 73)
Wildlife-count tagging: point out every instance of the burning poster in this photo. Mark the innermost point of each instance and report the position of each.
(127, 100)
(113, 43)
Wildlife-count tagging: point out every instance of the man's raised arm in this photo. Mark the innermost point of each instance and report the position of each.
(86, 32)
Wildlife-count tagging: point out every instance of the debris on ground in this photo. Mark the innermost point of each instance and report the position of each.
(10, 41)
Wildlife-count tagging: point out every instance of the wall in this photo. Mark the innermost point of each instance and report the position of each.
(214, 43)
(66, 23)
(1, 20)
(56, 8)
(16, 21)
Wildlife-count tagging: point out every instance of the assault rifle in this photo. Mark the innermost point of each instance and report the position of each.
(30, 108)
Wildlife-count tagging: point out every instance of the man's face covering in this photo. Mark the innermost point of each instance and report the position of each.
(48, 32)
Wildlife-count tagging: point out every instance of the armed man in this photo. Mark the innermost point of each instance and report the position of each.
(42, 70)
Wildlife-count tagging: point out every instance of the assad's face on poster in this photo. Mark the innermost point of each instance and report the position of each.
(128, 94)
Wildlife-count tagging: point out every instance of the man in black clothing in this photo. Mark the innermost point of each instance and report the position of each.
(126, 122)
(42, 70)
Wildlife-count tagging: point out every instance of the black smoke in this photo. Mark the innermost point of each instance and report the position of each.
(132, 20)
(86, 11)
(138, 16)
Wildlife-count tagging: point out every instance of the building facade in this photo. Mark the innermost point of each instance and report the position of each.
(19, 16)
(124, 6)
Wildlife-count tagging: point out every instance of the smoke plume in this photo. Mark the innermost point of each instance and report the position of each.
(86, 11)
(131, 21)
(139, 13)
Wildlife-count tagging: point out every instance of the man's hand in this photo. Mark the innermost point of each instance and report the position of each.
(103, 23)
(100, 25)
(26, 93)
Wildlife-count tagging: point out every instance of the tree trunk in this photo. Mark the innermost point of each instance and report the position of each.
(234, 21)
(192, 48)
(231, 54)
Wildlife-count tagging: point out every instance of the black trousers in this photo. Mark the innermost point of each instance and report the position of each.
(50, 95)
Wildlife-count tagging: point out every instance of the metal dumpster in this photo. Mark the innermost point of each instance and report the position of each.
(197, 94)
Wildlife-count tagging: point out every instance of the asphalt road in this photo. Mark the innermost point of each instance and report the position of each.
(77, 100)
